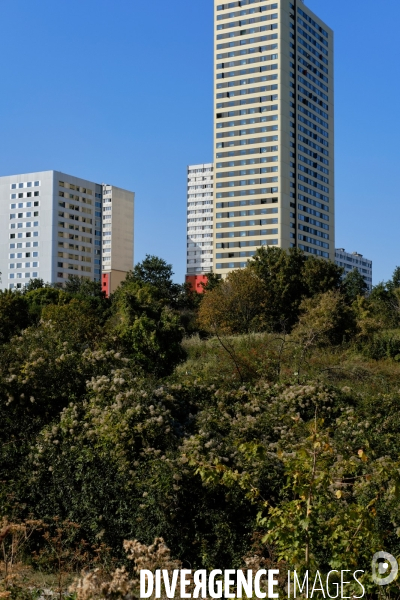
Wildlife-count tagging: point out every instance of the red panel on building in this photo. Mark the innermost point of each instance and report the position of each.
(105, 283)
(196, 282)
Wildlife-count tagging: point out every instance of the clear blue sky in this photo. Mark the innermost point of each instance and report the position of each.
(120, 91)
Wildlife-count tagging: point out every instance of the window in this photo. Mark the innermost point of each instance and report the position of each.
(20, 185)
(13, 186)
(36, 193)
(37, 183)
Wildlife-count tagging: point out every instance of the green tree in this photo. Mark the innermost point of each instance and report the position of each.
(325, 319)
(80, 286)
(382, 305)
(213, 281)
(284, 284)
(149, 330)
(14, 314)
(74, 323)
(35, 284)
(187, 308)
(39, 297)
(235, 305)
(394, 283)
(157, 273)
(288, 278)
(354, 285)
(321, 276)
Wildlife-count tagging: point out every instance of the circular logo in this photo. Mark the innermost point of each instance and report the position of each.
(384, 568)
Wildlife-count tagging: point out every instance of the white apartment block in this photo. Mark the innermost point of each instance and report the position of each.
(273, 131)
(351, 261)
(51, 227)
(199, 219)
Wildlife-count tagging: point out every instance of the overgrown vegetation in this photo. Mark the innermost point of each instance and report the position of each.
(256, 424)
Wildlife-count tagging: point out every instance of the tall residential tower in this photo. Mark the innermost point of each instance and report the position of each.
(273, 131)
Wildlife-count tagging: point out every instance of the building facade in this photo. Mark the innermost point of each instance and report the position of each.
(273, 131)
(117, 236)
(199, 239)
(51, 226)
(351, 261)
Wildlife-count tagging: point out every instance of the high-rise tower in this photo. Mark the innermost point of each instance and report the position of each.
(273, 131)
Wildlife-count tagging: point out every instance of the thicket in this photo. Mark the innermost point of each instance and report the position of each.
(255, 424)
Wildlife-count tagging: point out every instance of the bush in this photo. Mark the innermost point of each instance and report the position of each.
(387, 346)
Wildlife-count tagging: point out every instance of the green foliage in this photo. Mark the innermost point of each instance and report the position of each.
(325, 320)
(276, 440)
(212, 282)
(281, 273)
(116, 468)
(321, 276)
(147, 327)
(394, 283)
(383, 346)
(80, 286)
(14, 314)
(289, 277)
(157, 273)
(354, 285)
(35, 284)
(40, 297)
(234, 305)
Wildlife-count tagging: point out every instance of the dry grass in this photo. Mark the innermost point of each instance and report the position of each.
(26, 577)
(277, 358)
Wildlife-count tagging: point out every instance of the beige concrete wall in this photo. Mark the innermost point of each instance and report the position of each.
(122, 229)
(116, 278)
